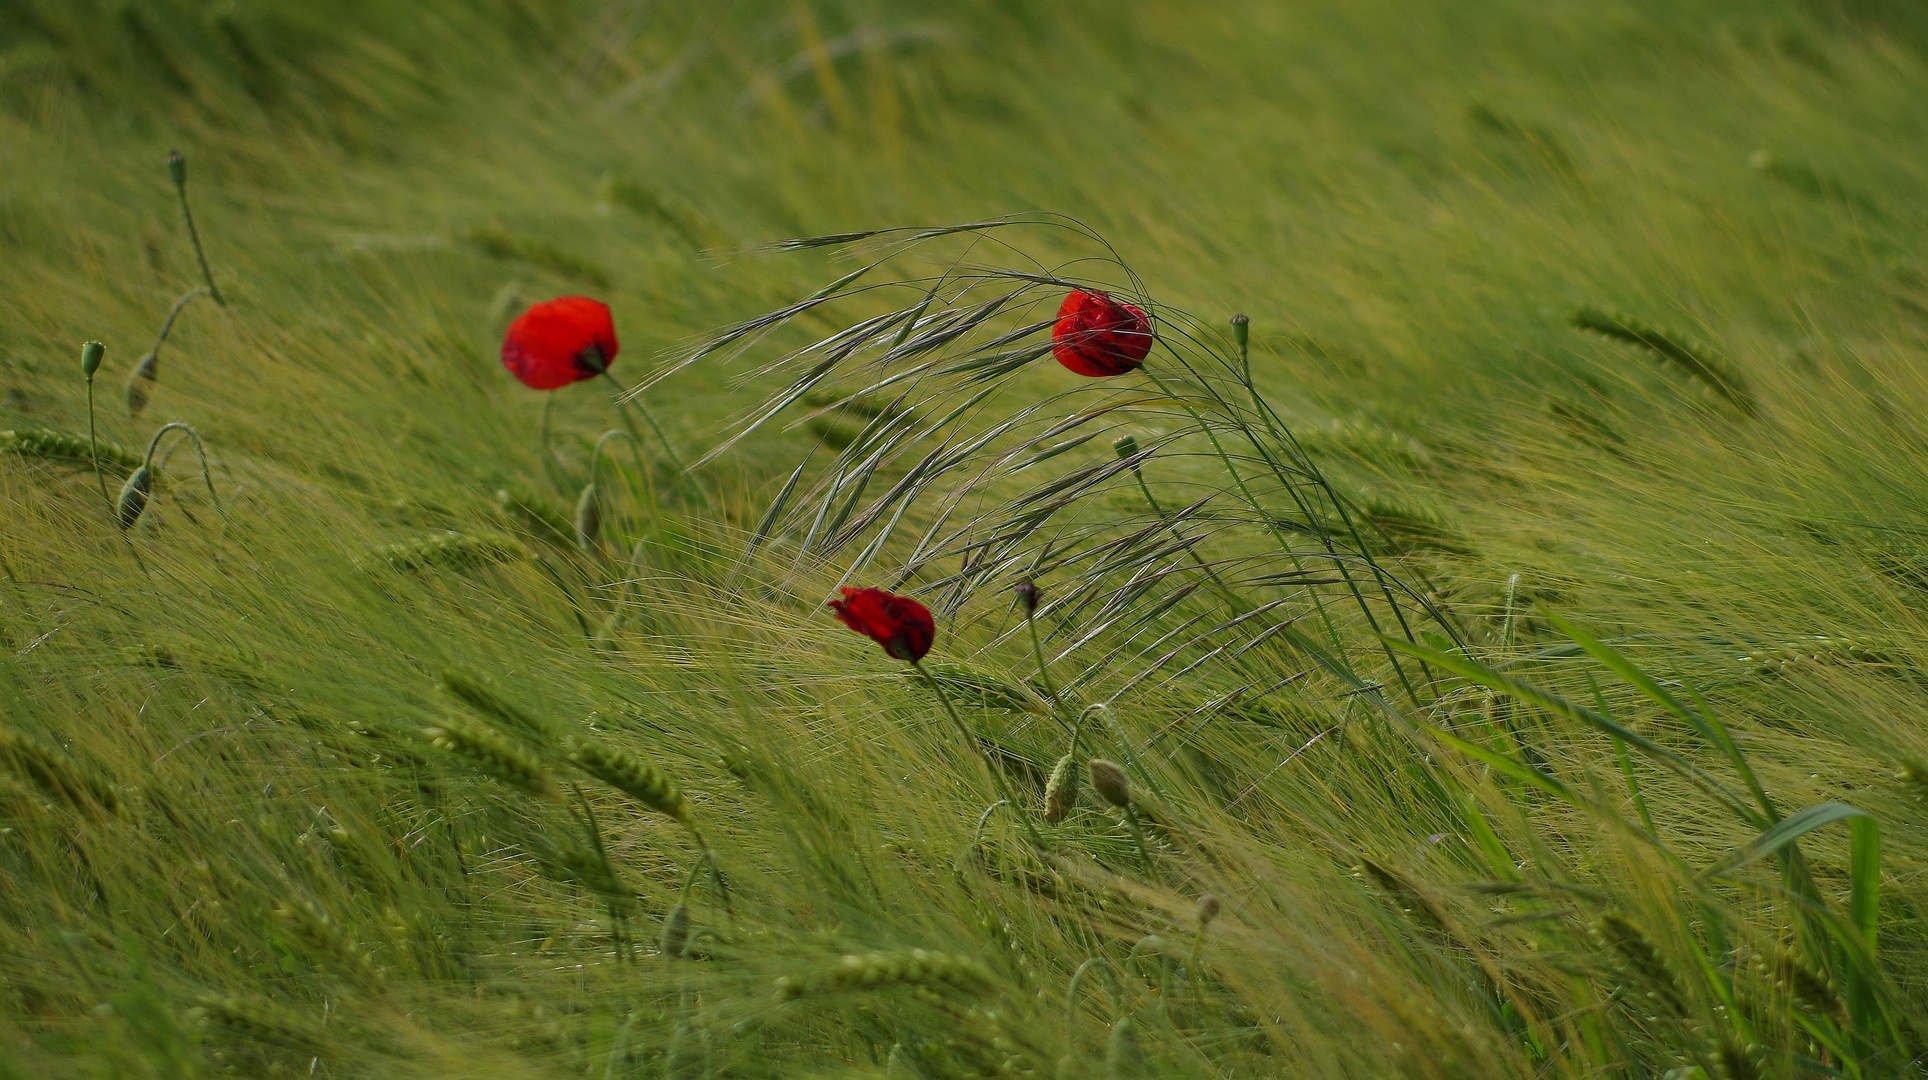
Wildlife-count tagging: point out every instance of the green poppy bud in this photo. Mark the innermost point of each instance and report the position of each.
(134, 495)
(91, 354)
(1208, 908)
(1125, 446)
(177, 168)
(1241, 332)
(1109, 781)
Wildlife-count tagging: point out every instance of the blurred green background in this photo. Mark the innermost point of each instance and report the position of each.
(1409, 200)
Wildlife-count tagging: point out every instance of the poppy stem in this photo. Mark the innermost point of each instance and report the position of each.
(1044, 670)
(668, 449)
(93, 445)
(1138, 838)
(970, 742)
(548, 411)
(200, 256)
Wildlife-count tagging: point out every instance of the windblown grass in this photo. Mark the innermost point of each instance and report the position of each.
(373, 769)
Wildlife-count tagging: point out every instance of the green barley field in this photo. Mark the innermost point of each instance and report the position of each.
(1501, 653)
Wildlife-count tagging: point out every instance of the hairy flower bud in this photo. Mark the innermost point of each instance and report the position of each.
(1208, 908)
(133, 496)
(1109, 781)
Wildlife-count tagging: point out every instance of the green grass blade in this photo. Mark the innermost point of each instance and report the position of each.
(1785, 832)
(1473, 671)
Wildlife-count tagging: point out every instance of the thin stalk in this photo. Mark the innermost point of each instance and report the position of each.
(194, 235)
(1138, 838)
(617, 925)
(548, 410)
(207, 477)
(1272, 424)
(970, 742)
(668, 449)
(1238, 479)
(93, 445)
(635, 447)
(1044, 671)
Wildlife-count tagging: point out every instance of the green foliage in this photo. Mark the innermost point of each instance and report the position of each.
(1618, 797)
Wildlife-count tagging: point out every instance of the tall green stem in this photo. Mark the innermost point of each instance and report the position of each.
(970, 743)
(93, 444)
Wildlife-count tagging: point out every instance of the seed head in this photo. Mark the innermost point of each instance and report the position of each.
(471, 691)
(321, 937)
(177, 169)
(1061, 790)
(1241, 331)
(262, 1021)
(1208, 908)
(56, 774)
(90, 357)
(1027, 594)
(631, 776)
(881, 970)
(60, 446)
(589, 868)
(493, 754)
(133, 496)
(451, 550)
(588, 520)
(1125, 446)
(1641, 959)
(1109, 781)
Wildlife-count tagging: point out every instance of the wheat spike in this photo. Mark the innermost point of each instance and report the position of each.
(877, 970)
(631, 776)
(492, 754)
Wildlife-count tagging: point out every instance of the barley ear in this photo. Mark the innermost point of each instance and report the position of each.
(492, 754)
(630, 775)
(1061, 790)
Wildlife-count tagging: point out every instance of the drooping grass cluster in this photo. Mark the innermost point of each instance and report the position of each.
(1256, 740)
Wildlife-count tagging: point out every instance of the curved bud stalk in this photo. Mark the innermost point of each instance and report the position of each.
(146, 374)
(177, 175)
(137, 492)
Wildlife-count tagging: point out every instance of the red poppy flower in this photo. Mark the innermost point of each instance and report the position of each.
(565, 340)
(1097, 336)
(901, 625)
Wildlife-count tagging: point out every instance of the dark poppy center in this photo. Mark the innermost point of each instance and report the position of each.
(592, 358)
